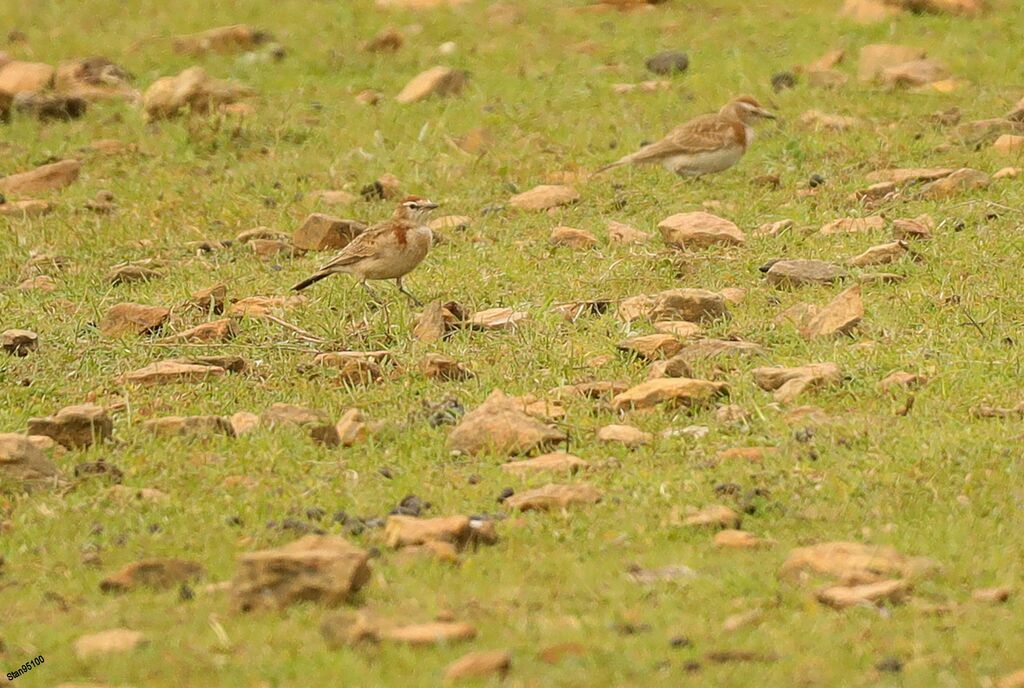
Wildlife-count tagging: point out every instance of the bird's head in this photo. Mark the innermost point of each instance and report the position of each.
(746, 109)
(414, 208)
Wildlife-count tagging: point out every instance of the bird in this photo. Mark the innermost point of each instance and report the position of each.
(706, 144)
(388, 250)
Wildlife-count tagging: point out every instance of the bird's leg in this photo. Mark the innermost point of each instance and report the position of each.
(369, 290)
(408, 293)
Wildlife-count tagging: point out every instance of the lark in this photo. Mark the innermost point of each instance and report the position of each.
(704, 145)
(389, 250)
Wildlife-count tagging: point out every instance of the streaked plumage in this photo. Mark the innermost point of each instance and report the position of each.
(706, 144)
(387, 250)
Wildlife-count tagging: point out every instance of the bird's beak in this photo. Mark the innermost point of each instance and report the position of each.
(429, 205)
(761, 112)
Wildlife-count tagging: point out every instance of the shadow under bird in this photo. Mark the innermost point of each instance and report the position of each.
(706, 144)
(389, 250)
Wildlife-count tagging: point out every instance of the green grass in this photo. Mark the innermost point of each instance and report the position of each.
(936, 482)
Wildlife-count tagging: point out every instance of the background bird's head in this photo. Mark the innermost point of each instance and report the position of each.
(414, 208)
(746, 109)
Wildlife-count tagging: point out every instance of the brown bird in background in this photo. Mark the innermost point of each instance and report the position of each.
(385, 251)
(705, 144)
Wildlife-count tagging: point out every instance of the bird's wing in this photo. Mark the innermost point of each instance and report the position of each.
(365, 245)
(705, 133)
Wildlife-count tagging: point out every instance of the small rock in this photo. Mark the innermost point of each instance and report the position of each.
(26, 208)
(157, 574)
(49, 177)
(557, 462)
(914, 73)
(256, 306)
(671, 391)
(651, 346)
(500, 425)
(216, 331)
(114, 641)
(438, 367)
(843, 596)
(435, 633)
(243, 422)
(553, 496)
(624, 234)
(774, 229)
(320, 232)
(868, 11)
(827, 78)
(668, 62)
(660, 575)
(839, 316)
(853, 562)
(24, 77)
(1014, 680)
(624, 434)
(439, 81)
(223, 39)
(126, 274)
(992, 595)
(477, 665)
(740, 539)
(900, 380)
(918, 228)
(403, 531)
(544, 197)
(49, 107)
(332, 197)
(848, 225)
(22, 462)
(388, 39)
(315, 568)
(450, 222)
(909, 175)
(133, 318)
(715, 516)
(189, 425)
(1004, 173)
(876, 58)
(573, 238)
(790, 273)
(742, 620)
(691, 305)
(192, 90)
(496, 318)
(789, 383)
(680, 329)
(19, 342)
(74, 426)
(881, 254)
(699, 230)
(964, 179)
(169, 372)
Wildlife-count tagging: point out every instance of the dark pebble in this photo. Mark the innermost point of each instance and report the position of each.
(892, 665)
(679, 641)
(783, 81)
(804, 435)
(505, 494)
(815, 181)
(669, 62)
(186, 593)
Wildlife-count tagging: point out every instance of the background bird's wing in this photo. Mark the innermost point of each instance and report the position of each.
(705, 133)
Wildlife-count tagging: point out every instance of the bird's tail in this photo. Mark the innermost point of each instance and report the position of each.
(617, 163)
(312, 279)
